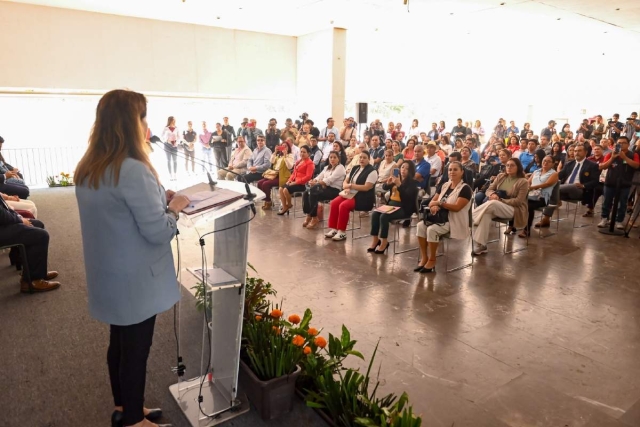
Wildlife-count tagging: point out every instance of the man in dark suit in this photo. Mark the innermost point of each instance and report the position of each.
(578, 178)
(14, 229)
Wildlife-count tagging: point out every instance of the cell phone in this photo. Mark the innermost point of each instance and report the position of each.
(396, 172)
(617, 149)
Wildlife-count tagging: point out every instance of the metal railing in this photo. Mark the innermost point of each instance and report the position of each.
(36, 164)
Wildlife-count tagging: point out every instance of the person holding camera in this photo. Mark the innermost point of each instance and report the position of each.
(326, 186)
(251, 132)
(508, 196)
(621, 164)
(348, 130)
(614, 127)
(447, 213)
(403, 194)
(304, 136)
(289, 131)
(272, 136)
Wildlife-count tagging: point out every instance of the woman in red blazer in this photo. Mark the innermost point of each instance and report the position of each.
(302, 173)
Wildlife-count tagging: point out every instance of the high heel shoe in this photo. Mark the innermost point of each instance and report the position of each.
(428, 270)
(381, 251)
(418, 268)
(510, 230)
(282, 212)
(267, 206)
(373, 249)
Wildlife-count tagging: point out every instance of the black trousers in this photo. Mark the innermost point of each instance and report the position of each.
(251, 177)
(127, 360)
(36, 242)
(310, 202)
(12, 189)
(533, 205)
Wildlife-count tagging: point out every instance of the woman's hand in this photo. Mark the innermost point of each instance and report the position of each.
(390, 180)
(434, 209)
(179, 202)
(169, 194)
(494, 196)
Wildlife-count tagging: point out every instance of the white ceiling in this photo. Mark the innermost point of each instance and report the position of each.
(298, 17)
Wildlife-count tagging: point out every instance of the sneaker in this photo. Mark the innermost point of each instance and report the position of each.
(480, 249)
(329, 234)
(620, 225)
(339, 236)
(603, 223)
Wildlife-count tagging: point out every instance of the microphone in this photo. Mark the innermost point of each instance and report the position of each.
(249, 196)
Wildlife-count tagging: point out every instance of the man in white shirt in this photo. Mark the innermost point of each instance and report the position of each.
(328, 148)
(435, 162)
(331, 128)
(238, 162)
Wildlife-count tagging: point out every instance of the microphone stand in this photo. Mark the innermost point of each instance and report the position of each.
(249, 196)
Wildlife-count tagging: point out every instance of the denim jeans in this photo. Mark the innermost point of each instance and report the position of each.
(609, 193)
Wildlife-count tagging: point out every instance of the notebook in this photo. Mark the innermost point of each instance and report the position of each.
(202, 197)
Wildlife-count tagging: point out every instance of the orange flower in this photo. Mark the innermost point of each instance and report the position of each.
(298, 341)
(258, 318)
(321, 342)
(294, 318)
(307, 350)
(276, 330)
(313, 332)
(276, 314)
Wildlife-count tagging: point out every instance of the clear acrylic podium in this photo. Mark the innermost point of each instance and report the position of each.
(225, 279)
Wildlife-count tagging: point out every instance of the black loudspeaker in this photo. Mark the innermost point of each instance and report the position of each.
(362, 108)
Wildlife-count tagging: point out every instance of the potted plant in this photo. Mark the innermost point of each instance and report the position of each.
(272, 350)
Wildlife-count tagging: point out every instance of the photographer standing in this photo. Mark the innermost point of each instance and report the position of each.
(614, 127)
(348, 130)
(250, 134)
(272, 135)
(232, 134)
(621, 165)
(289, 131)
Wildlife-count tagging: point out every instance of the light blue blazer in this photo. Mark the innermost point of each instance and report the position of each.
(126, 235)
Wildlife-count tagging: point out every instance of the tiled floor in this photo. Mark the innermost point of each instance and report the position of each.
(544, 337)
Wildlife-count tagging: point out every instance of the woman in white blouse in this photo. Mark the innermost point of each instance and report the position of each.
(414, 130)
(330, 183)
(477, 128)
(385, 169)
(171, 136)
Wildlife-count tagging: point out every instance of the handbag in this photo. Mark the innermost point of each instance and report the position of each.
(316, 190)
(440, 217)
(535, 195)
(270, 174)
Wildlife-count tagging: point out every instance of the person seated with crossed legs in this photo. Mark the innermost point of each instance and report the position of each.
(454, 197)
(403, 195)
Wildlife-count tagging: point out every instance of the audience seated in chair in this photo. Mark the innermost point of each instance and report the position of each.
(281, 164)
(14, 229)
(541, 186)
(423, 169)
(259, 161)
(598, 189)
(453, 198)
(385, 170)
(16, 204)
(327, 187)
(507, 196)
(358, 193)
(467, 174)
(238, 161)
(488, 175)
(297, 182)
(578, 179)
(11, 180)
(355, 161)
(403, 194)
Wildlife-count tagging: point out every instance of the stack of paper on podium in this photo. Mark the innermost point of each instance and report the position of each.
(203, 197)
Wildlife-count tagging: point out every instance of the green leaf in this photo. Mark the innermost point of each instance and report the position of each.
(356, 354)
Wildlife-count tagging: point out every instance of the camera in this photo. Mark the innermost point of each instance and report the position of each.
(618, 148)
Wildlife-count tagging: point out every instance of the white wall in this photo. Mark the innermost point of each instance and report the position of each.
(42, 47)
(315, 70)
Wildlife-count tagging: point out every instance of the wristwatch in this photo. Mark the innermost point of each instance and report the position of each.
(174, 213)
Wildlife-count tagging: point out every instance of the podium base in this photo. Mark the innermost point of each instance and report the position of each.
(613, 232)
(186, 395)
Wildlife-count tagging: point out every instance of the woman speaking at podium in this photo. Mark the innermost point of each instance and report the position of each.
(127, 229)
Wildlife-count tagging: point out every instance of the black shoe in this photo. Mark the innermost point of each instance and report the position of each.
(406, 224)
(374, 248)
(418, 268)
(428, 270)
(154, 414)
(380, 252)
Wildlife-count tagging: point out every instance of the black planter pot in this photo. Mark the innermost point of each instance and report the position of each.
(271, 398)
